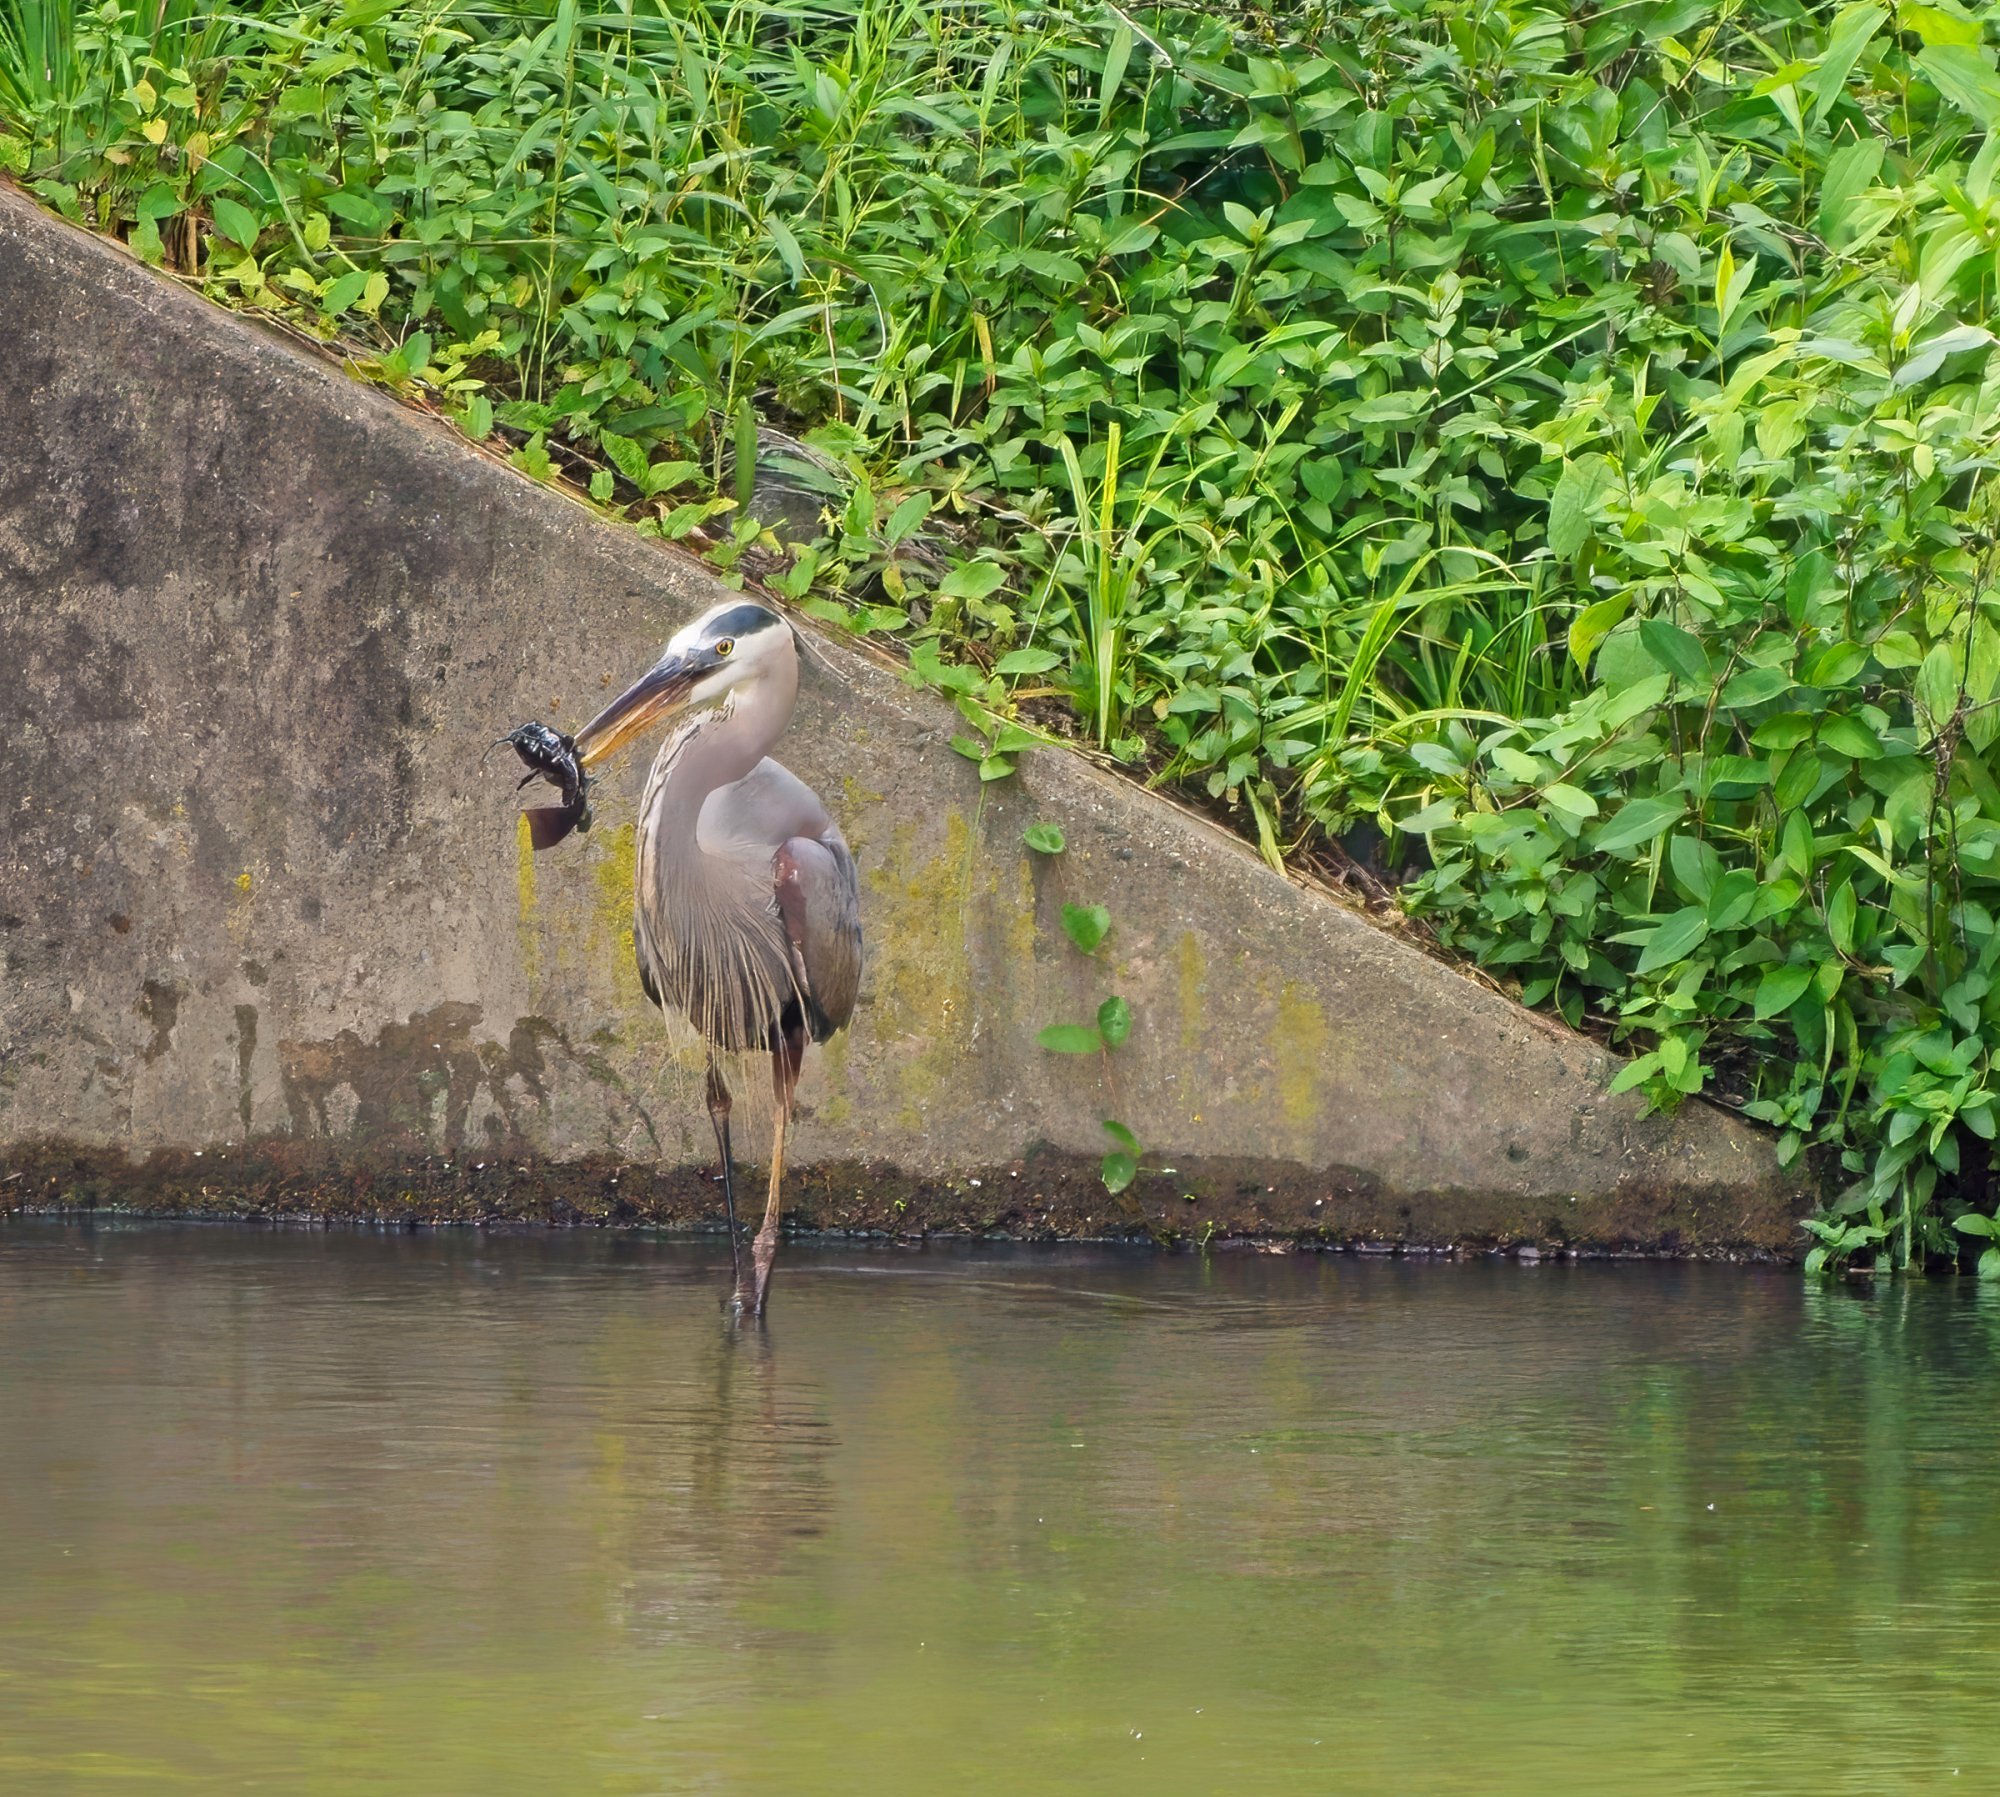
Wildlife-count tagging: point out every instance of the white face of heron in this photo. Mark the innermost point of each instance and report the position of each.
(730, 647)
(737, 647)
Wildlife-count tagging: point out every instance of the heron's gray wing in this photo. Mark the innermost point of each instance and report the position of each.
(762, 811)
(819, 901)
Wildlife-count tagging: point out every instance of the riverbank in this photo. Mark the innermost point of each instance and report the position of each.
(1046, 1196)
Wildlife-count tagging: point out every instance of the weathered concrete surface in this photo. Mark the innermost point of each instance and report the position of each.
(272, 944)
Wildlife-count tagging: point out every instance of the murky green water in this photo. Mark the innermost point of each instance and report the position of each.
(346, 1513)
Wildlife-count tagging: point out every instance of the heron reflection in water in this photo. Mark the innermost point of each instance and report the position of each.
(747, 917)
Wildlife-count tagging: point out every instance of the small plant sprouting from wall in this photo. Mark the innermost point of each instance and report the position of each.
(1087, 926)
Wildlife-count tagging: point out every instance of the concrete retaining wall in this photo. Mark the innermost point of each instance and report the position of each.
(272, 943)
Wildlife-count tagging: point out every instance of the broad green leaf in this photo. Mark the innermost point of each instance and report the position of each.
(1674, 940)
(1634, 1073)
(1571, 801)
(1781, 987)
(1696, 865)
(1964, 75)
(1733, 281)
(1785, 731)
(1086, 925)
(1797, 782)
(1590, 625)
(1027, 661)
(1853, 26)
(1937, 689)
(1799, 851)
(1119, 1170)
(1122, 1136)
(1631, 701)
(971, 580)
(1836, 665)
(1754, 686)
(1114, 1022)
(1897, 649)
(343, 292)
(1577, 491)
(1044, 839)
(1731, 900)
(1434, 816)
(1070, 1038)
(1675, 649)
(1637, 821)
(1851, 737)
(911, 510)
(234, 220)
(627, 456)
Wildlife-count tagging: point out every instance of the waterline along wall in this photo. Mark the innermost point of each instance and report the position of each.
(273, 943)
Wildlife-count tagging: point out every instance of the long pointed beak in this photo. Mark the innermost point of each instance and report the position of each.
(656, 694)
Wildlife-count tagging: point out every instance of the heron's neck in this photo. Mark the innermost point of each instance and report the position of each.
(712, 749)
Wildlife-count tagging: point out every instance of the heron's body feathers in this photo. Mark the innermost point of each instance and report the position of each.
(748, 912)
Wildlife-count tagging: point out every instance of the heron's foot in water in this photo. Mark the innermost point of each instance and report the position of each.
(762, 1253)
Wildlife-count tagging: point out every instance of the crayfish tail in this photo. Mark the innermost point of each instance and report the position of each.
(549, 824)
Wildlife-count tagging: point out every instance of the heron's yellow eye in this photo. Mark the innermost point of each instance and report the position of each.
(726, 647)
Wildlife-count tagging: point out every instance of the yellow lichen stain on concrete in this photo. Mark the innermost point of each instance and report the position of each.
(616, 873)
(917, 925)
(1193, 989)
(1021, 920)
(853, 795)
(1298, 1044)
(240, 915)
(835, 1107)
(527, 927)
(856, 803)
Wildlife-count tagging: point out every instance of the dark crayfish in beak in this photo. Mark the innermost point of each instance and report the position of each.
(551, 756)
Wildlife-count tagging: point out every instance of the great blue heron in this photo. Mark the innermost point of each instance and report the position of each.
(747, 916)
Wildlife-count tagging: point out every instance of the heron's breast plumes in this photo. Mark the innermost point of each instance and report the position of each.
(706, 929)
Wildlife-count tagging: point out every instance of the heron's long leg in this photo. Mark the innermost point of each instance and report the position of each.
(786, 1054)
(718, 1114)
(765, 1249)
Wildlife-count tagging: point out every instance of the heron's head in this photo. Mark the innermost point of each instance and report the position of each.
(741, 648)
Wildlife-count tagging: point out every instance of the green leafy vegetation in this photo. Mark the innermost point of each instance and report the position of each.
(1557, 442)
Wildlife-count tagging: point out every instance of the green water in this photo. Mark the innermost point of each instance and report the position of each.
(319, 1513)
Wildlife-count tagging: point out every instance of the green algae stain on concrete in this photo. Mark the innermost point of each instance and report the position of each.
(1298, 1047)
(923, 978)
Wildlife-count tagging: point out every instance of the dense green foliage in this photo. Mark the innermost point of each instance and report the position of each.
(1562, 437)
